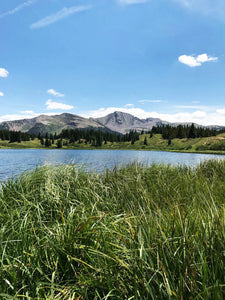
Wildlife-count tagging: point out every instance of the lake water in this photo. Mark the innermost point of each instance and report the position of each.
(14, 161)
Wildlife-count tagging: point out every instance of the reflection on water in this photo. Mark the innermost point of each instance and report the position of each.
(14, 161)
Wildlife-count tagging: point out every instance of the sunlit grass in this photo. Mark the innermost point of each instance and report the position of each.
(132, 233)
(201, 145)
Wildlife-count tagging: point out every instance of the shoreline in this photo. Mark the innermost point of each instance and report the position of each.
(116, 148)
(205, 145)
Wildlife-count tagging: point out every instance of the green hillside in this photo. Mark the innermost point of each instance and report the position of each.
(215, 144)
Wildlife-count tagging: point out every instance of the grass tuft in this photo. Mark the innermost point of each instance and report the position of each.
(132, 233)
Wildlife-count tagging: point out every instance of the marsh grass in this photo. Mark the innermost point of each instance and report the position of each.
(131, 233)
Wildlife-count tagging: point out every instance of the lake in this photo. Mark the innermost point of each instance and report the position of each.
(15, 161)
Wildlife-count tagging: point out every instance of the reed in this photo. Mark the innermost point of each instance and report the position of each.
(130, 233)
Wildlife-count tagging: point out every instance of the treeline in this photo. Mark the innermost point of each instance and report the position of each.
(97, 137)
(184, 131)
(15, 136)
(94, 137)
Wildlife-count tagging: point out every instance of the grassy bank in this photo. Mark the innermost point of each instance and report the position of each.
(215, 144)
(134, 233)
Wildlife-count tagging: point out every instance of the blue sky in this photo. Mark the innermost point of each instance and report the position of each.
(150, 58)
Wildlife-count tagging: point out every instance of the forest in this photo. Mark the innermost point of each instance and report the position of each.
(97, 138)
(185, 131)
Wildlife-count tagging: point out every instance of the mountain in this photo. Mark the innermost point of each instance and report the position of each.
(123, 122)
(50, 124)
(118, 122)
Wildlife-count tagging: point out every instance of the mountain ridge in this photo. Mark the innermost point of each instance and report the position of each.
(117, 121)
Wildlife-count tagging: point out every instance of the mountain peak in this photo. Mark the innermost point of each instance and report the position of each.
(117, 121)
(124, 122)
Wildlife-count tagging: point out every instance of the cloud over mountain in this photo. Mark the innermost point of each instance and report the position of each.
(56, 105)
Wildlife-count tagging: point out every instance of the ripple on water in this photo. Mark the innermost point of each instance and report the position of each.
(15, 161)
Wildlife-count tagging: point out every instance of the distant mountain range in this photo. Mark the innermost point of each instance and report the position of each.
(118, 122)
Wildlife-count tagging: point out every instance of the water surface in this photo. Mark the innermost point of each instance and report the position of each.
(15, 161)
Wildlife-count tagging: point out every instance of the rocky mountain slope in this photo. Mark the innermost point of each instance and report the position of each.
(50, 124)
(118, 122)
(123, 122)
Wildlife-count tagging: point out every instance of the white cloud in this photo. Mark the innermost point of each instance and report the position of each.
(62, 14)
(150, 101)
(197, 61)
(189, 60)
(23, 115)
(17, 8)
(27, 112)
(54, 93)
(3, 72)
(193, 107)
(56, 105)
(12, 117)
(1, 94)
(221, 111)
(130, 2)
(129, 105)
(199, 116)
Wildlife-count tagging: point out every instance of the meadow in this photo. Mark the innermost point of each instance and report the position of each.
(135, 232)
(213, 144)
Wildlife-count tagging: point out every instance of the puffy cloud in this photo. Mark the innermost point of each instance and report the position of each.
(3, 72)
(1, 94)
(56, 105)
(62, 14)
(54, 93)
(197, 61)
(199, 114)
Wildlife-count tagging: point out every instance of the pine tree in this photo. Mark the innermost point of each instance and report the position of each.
(192, 132)
(145, 141)
(47, 142)
(59, 143)
(180, 132)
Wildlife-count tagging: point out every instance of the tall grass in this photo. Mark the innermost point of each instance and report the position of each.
(132, 233)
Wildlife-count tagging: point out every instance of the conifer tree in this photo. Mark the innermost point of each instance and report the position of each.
(145, 141)
(59, 143)
(192, 132)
